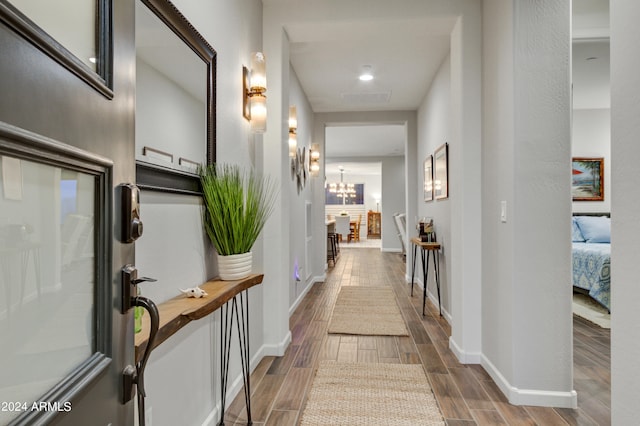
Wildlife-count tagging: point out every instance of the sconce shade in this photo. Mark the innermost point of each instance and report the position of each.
(254, 86)
(258, 113)
(293, 144)
(293, 127)
(314, 159)
(258, 72)
(293, 118)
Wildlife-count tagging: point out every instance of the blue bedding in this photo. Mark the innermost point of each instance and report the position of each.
(592, 270)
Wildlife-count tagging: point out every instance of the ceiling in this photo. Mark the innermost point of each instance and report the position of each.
(404, 55)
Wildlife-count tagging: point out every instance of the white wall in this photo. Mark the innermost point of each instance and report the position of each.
(625, 203)
(301, 246)
(526, 299)
(434, 129)
(497, 177)
(591, 137)
(182, 380)
(393, 180)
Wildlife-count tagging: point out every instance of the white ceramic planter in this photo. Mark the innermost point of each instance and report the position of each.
(234, 267)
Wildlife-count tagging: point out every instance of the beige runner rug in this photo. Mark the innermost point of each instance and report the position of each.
(371, 311)
(370, 394)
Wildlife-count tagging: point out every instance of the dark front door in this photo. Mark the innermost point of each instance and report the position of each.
(66, 146)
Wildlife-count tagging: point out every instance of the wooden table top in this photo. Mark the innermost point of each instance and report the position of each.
(177, 312)
(425, 245)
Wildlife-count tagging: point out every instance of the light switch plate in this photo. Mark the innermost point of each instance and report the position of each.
(503, 211)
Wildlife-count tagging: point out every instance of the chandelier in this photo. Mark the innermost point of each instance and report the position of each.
(342, 189)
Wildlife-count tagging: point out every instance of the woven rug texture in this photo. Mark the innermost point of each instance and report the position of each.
(370, 394)
(370, 311)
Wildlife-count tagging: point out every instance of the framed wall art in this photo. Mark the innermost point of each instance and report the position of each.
(428, 178)
(441, 173)
(587, 179)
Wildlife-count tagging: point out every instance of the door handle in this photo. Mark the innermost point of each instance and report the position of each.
(135, 375)
(130, 281)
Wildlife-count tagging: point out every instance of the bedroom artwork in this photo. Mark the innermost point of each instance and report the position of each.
(428, 178)
(587, 179)
(441, 179)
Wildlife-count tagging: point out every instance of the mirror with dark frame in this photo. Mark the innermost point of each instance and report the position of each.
(175, 99)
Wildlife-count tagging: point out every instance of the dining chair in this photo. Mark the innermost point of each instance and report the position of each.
(342, 226)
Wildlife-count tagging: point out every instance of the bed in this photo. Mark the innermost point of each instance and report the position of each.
(591, 253)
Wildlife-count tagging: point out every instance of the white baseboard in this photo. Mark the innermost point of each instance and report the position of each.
(539, 398)
(514, 395)
(463, 356)
(317, 279)
(277, 349)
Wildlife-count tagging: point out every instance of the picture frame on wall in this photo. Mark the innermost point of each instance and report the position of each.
(587, 178)
(428, 178)
(441, 172)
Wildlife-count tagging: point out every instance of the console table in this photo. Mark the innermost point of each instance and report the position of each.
(426, 248)
(232, 298)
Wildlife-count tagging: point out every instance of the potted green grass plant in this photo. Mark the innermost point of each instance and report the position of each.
(237, 204)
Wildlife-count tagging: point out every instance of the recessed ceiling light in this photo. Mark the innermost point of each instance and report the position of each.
(366, 75)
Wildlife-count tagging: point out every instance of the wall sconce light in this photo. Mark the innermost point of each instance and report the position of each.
(314, 160)
(293, 127)
(254, 85)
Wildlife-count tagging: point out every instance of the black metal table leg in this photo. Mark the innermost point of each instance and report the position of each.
(413, 267)
(225, 348)
(241, 315)
(243, 337)
(436, 267)
(425, 273)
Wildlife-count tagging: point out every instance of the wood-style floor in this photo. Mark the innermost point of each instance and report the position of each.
(466, 394)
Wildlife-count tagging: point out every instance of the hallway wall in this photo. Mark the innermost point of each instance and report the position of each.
(625, 204)
(526, 291)
(434, 129)
(302, 247)
(393, 180)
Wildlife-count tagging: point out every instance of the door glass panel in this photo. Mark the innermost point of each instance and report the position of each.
(72, 23)
(47, 277)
